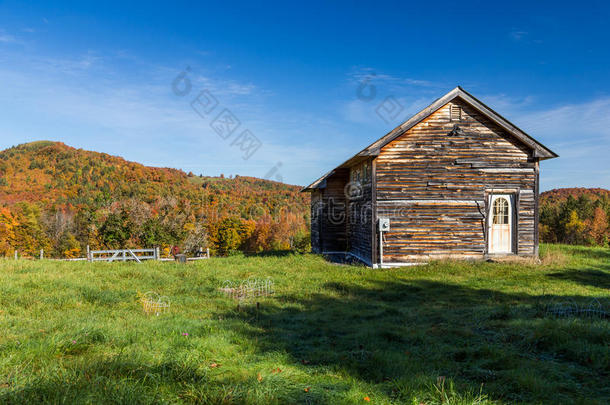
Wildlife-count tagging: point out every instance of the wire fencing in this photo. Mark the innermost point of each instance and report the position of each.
(567, 309)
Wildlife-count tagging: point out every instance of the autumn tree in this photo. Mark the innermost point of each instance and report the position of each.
(597, 227)
(30, 236)
(8, 223)
(576, 216)
(574, 228)
(115, 231)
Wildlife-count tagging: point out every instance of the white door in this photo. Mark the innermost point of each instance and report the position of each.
(500, 224)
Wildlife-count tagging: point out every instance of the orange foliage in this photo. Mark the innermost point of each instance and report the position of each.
(8, 223)
(74, 198)
(597, 227)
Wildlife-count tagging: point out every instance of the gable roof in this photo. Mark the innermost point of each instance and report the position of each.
(539, 150)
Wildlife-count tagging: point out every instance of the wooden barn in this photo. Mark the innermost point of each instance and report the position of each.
(456, 180)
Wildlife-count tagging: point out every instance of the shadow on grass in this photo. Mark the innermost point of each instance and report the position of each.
(404, 336)
(105, 381)
(589, 277)
(132, 381)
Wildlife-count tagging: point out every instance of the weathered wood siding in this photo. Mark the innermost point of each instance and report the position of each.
(360, 217)
(434, 186)
(328, 215)
(316, 234)
(526, 209)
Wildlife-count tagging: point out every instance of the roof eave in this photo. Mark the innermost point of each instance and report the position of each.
(542, 151)
(357, 158)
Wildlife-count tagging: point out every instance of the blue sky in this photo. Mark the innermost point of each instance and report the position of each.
(99, 76)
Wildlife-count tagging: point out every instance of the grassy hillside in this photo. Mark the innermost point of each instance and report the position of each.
(447, 332)
(61, 199)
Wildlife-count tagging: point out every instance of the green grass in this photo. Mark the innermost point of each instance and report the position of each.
(447, 332)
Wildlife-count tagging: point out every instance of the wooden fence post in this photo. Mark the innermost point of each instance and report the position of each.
(207, 252)
(41, 254)
(158, 253)
(89, 258)
(16, 254)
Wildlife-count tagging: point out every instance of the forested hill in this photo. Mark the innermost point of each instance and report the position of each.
(559, 195)
(61, 199)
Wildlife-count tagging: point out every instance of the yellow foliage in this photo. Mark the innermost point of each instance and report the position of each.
(8, 223)
(574, 228)
(72, 253)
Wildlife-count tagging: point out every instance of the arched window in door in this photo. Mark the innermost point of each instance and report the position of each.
(500, 211)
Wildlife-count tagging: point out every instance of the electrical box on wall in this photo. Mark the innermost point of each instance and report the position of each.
(384, 224)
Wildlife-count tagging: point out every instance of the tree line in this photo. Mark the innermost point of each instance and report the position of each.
(66, 231)
(575, 216)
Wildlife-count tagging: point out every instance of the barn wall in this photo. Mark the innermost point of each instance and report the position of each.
(359, 222)
(328, 215)
(434, 187)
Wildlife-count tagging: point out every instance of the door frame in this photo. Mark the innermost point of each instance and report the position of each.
(511, 222)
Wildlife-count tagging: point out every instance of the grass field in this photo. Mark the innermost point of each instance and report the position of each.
(447, 332)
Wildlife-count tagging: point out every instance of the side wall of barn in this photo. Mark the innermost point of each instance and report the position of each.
(434, 184)
(360, 213)
(316, 234)
(328, 215)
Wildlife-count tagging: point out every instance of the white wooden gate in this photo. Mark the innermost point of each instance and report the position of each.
(122, 255)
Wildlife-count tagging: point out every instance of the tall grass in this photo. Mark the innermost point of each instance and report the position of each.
(444, 333)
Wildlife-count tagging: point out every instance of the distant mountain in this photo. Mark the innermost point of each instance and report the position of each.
(73, 198)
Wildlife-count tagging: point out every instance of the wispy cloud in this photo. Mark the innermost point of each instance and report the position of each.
(578, 132)
(524, 37)
(371, 113)
(6, 38)
(518, 35)
(507, 105)
(121, 104)
(84, 101)
(226, 87)
(359, 74)
(372, 89)
(590, 119)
